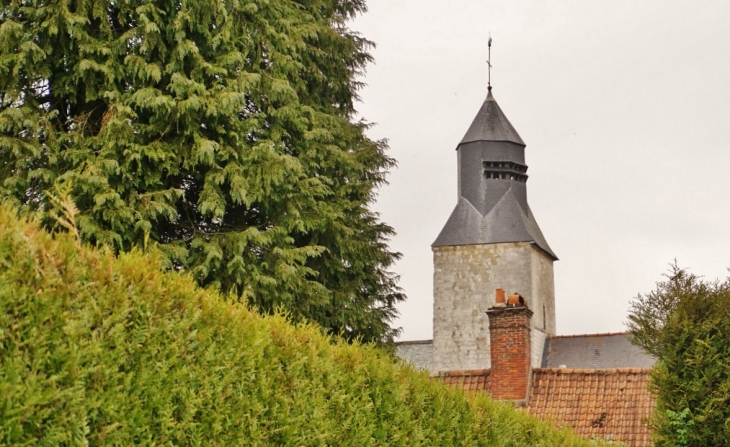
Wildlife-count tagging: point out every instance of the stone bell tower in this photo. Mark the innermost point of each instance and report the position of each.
(490, 241)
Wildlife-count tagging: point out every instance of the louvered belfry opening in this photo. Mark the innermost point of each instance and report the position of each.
(505, 170)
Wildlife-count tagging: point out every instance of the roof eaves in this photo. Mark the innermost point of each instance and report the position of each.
(414, 342)
(592, 371)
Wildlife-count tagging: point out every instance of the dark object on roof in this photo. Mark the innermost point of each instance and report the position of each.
(492, 206)
(596, 351)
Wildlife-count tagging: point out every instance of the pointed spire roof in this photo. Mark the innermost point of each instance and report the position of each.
(490, 124)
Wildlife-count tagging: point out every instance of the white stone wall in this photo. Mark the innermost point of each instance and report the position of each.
(537, 339)
(543, 287)
(465, 280)
(419, 353)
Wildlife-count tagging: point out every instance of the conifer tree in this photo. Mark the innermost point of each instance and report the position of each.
(221, 131)
(685, 324)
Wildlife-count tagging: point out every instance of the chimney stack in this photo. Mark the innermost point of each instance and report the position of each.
(510, 346)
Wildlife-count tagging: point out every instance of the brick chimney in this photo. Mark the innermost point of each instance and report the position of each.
(509, 332)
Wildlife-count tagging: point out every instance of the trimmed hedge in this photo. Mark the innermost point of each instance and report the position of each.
(98, 350)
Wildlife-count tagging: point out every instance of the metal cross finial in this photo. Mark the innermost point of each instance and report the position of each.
(489, 62)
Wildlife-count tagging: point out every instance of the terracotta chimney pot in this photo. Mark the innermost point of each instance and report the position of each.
(500, 296)
(516, 299)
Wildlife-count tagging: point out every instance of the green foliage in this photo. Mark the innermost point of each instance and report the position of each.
(685, 323)
(221, 130)
(98, 350)
(681, 424)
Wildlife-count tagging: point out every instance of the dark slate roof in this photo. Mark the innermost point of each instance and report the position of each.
(596, 351)
(507, 221)
(490, 124)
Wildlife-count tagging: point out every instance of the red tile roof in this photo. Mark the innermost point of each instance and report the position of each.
(469, 380)
(613, 404)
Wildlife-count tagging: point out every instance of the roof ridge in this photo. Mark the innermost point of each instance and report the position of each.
(464, 372)
(592, 371)
(602, 334)
(533, 229)
(414, 342)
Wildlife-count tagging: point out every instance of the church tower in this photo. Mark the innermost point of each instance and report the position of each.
(490, 241)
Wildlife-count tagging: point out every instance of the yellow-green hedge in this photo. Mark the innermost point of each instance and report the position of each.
(98, 350)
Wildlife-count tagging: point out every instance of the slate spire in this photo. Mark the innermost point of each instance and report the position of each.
(492, 204)
(490, 124)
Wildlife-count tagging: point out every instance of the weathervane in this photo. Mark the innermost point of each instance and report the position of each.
(489, 62)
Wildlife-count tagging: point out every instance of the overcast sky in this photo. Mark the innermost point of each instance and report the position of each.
(625, 110)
